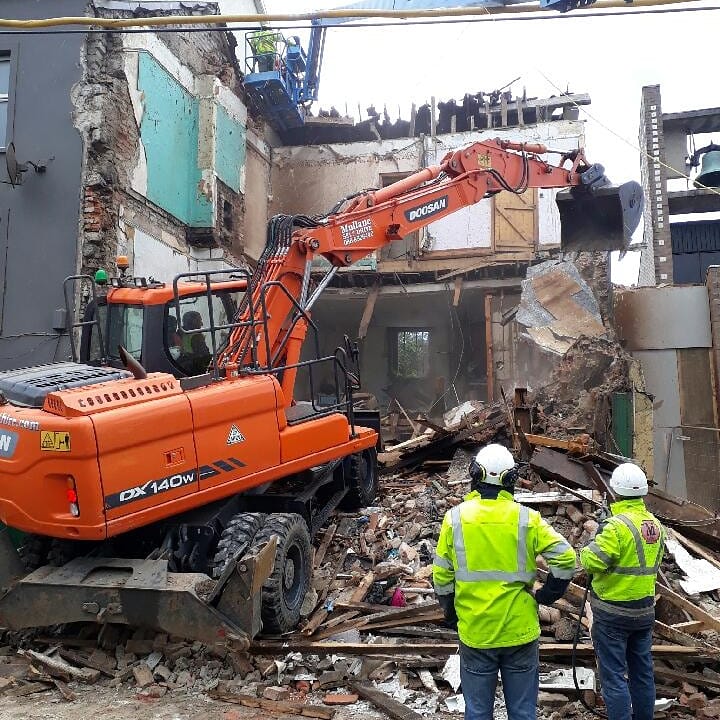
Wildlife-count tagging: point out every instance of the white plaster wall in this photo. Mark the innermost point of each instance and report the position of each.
(472, 226)
(311, 179)
(153, 258)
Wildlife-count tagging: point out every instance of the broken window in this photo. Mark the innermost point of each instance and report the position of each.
(410, 353)
(4, 98)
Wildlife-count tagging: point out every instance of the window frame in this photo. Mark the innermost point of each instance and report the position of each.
(394, 339)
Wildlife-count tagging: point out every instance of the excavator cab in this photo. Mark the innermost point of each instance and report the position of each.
(143, 317)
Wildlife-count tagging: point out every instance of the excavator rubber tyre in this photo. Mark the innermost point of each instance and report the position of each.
(363, 480)
(238, 535)
(284, 591)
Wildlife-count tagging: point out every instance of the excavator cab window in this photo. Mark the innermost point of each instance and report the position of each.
(125, 327)
(189, 349)
(121, 324)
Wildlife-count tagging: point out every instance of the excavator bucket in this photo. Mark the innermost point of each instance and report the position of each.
(140, 593)
(599, 218)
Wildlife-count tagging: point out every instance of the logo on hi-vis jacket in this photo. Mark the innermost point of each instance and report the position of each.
(427, 209)
(650, 532)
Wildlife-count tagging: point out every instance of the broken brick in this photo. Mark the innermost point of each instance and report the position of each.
(276, 693)
(340, 699)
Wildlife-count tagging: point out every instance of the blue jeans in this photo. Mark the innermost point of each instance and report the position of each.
(519, 670)
(623, 646)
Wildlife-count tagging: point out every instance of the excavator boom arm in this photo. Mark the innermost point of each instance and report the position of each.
(271, 323)
(463, 178)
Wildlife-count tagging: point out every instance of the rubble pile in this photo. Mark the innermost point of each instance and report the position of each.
(371, 630)
(577, 397)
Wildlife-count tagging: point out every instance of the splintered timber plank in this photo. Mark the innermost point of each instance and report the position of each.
(384, 702)
(363, 588)
(695, 612)
(324, 545)
(274, 706)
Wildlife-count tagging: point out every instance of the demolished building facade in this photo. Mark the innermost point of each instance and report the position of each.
(130, 144)
(436, 311)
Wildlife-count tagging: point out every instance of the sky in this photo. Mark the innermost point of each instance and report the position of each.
(609, 58)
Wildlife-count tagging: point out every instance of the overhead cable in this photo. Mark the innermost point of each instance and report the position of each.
(224, 19)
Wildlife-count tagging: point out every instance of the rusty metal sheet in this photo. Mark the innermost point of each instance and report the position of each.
(662, 318)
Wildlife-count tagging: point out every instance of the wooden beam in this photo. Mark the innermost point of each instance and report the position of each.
(451, 264)
(324, 545)
(695, 612)
(368, 311)
(667, 632)
(396, 710)
(444, 649)
(489, 348)
(691, 626)
(458, 290)
(692, 678)
(363, 588)
(697, 549)
(279, 707)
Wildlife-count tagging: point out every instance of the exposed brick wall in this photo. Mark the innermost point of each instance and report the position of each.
(656, 257)
(595, 270)
(103, 114)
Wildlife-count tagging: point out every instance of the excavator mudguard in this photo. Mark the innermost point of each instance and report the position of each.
(140, 593)
(599, 218)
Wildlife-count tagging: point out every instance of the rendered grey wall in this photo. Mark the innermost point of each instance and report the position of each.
(39, 219)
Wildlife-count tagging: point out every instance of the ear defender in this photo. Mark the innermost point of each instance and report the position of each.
(476, 472)
(508, 478)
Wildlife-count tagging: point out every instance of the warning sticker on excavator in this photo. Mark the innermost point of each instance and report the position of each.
(235, 436)
(55, 441)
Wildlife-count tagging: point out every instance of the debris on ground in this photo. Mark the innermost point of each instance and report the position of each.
(372, 633)
(371, 637)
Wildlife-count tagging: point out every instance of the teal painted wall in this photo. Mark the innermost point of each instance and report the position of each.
(169, 131)
(229, 148)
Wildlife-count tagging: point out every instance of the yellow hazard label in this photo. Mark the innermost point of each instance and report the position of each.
(55, 441)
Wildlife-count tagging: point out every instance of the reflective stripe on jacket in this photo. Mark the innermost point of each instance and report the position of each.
(625, 555)
(486, 557)
(263, 42)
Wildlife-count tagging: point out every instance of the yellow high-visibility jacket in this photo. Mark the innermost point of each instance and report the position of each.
(625, 555)
(486, 557)
(263, 42)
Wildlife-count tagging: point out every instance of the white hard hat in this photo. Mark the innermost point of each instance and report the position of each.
(495, 460)
(629, 480)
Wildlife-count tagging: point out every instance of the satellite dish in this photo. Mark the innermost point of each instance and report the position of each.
(14, 169)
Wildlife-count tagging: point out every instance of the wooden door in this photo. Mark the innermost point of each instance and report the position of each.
(515, 221)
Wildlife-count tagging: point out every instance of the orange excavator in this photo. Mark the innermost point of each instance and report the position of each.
(168, 477)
